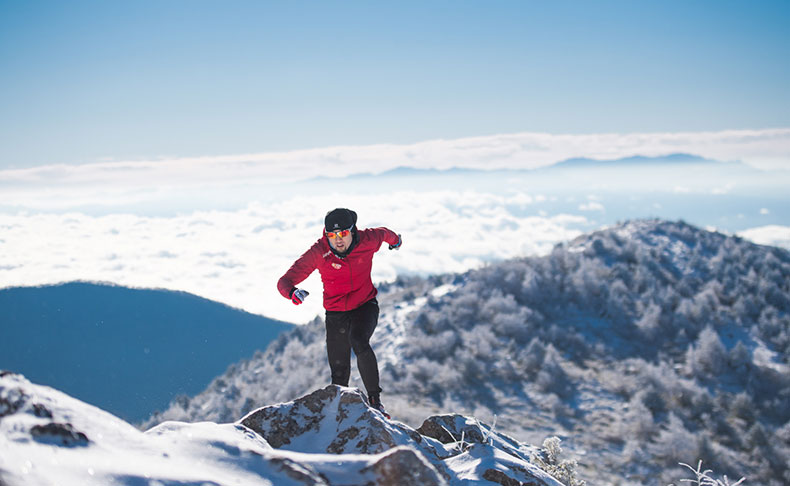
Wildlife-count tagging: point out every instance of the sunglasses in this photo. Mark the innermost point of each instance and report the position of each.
(338, 234)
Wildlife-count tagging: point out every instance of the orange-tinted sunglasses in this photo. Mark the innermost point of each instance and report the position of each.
(338, 234)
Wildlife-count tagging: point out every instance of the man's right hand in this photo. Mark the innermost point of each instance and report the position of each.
(298, 296)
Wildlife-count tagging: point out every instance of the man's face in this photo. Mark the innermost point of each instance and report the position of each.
(340, 240)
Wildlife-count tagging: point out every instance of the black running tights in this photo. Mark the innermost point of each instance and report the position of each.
(347, 330)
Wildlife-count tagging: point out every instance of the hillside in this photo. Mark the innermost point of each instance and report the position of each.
(143, 347)
(643, 345)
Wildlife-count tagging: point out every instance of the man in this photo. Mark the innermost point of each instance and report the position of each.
(344, 258)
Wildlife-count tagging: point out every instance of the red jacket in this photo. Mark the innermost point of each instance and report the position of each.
(347, 282)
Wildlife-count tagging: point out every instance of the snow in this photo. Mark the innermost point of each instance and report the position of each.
(443, 290)
(120, 454)
(472, 465)
(765, 357)
(395, 322)
(91, 447)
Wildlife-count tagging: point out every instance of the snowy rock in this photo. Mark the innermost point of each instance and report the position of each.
(403, 466)
(454, 428)
(39, 422)
(61, 434)
(327, 438)
(337, 420)
(334, 419)
(494, 466)
(486, 454)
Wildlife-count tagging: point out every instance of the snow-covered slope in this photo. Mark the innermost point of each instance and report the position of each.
(642, 346)
(329, 437)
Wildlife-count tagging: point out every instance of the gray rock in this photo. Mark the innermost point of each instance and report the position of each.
(333, 420)
(402, 466)
(15, 400)
(337, 420)
(63, 434)
(455, 428)
(499, 467)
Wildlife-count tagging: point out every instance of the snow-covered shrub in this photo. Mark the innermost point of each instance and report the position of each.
(552, 378)
(531, 357)
(739, 359)
(674, 442)
(742, 407)
(638, 421)
(708, 356)
(703, 477)
(649, 323)
(562, 469)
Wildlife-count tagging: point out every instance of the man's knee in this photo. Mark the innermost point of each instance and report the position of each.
(360, 344)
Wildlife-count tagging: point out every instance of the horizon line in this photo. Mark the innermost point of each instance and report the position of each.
(767, 149)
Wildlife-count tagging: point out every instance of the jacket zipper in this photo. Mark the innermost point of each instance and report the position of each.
(350, 282)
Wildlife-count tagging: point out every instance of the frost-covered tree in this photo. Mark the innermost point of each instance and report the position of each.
(708, 356)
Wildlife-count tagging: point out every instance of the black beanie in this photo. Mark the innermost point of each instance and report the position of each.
(340, 219)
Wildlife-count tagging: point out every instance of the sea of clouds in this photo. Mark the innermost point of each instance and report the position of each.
(227, 227)
(236, 257)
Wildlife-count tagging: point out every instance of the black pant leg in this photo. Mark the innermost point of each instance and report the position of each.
(363, 322)
(338, 346)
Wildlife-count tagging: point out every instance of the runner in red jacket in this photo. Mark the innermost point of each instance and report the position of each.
(344, 257)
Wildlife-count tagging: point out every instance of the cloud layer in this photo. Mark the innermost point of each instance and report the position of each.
(58, 187)
(237, 257)
(151, 231)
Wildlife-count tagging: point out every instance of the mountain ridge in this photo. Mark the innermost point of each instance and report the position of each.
(672, 160)
(151, 344)
(624, 342)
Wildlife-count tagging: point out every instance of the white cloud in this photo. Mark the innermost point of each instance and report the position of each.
(259, 225)
(726, 189)
(124, 182)
(591, 206)
(522, 199)
(236, 257)
(764, 211)
(772, 235)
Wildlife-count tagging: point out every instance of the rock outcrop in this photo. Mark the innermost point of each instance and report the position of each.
(327, 438)
(337, 420)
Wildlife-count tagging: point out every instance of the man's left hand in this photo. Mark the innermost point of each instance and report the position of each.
(396, 246)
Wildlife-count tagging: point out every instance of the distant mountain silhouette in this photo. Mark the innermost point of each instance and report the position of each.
(402, 171)
(128, 351)
(633, 162)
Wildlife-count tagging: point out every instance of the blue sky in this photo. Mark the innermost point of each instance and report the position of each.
(85, 81)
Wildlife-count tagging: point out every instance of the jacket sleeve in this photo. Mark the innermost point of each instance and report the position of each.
(385, 235)
(300, 270)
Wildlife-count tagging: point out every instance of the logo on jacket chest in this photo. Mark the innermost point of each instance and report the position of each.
(336, 265)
